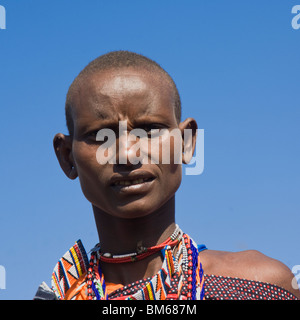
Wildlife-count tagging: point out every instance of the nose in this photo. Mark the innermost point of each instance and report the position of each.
(124, 153)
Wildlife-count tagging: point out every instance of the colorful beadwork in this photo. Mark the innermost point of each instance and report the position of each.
(180, 278)
(141, 252)
(68, 269)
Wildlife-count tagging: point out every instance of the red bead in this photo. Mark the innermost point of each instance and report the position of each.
(172, 296)
(89, 290)
(190, 286)
(189, 294)
(190, 251)
(190, 278)
(190, 258)
(190, 271)
(190, 264)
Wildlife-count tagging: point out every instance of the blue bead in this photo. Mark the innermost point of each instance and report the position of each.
(201, 247)
(95, 291)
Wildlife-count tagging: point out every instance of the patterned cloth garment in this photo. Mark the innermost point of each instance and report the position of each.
(223, 288)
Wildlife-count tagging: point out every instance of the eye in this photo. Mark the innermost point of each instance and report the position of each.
(154, 133)
(92, 134)
(152, 126)
(153, 129)
(90, 137)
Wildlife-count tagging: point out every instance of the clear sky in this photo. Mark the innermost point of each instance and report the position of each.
(236, 65)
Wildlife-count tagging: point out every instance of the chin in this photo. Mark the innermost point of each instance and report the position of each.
(140, 208)
(133, 210)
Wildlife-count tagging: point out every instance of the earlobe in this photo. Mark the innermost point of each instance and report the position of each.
(189, 134)
(63, 149)
(73, 173)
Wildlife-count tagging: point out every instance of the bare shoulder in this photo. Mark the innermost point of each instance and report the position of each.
(249, 264)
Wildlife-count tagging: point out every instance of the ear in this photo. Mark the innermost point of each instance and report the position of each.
(63, 149)
(188, 129)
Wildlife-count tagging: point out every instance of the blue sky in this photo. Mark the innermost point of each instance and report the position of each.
(236, 65)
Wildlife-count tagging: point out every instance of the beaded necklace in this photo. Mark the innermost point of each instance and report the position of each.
(180, 278)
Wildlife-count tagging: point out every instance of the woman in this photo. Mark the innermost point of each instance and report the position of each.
(142, 253)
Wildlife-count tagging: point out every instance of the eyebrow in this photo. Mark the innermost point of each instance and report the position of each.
(102, 115)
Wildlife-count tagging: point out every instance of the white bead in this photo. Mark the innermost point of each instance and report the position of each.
(107, 255)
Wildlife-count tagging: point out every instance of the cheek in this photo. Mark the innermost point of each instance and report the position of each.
(171, 178)
(88, 169)
(167, 151)
(165, 148)
(84, 157)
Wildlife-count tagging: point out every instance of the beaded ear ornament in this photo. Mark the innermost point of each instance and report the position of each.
(180, 278)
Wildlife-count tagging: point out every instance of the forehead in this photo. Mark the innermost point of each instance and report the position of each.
(123, 94)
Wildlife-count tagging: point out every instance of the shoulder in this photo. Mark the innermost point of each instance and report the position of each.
(249, 264)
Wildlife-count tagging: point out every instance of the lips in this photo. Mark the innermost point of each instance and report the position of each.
(131, 182)
(134, 181)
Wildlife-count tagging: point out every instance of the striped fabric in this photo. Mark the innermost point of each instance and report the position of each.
(69, 269)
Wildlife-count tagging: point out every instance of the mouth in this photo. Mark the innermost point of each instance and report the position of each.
(134, 182)
(127, 182)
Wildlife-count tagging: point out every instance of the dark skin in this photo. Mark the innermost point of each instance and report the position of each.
(126, 216)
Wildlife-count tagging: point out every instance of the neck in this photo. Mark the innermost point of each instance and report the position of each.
(121, 236)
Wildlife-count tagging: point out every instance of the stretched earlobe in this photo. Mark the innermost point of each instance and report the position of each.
(63, 149)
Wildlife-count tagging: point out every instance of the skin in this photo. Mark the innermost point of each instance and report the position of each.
(124, 217)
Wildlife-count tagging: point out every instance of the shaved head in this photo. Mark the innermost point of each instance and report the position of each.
(119, 60)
